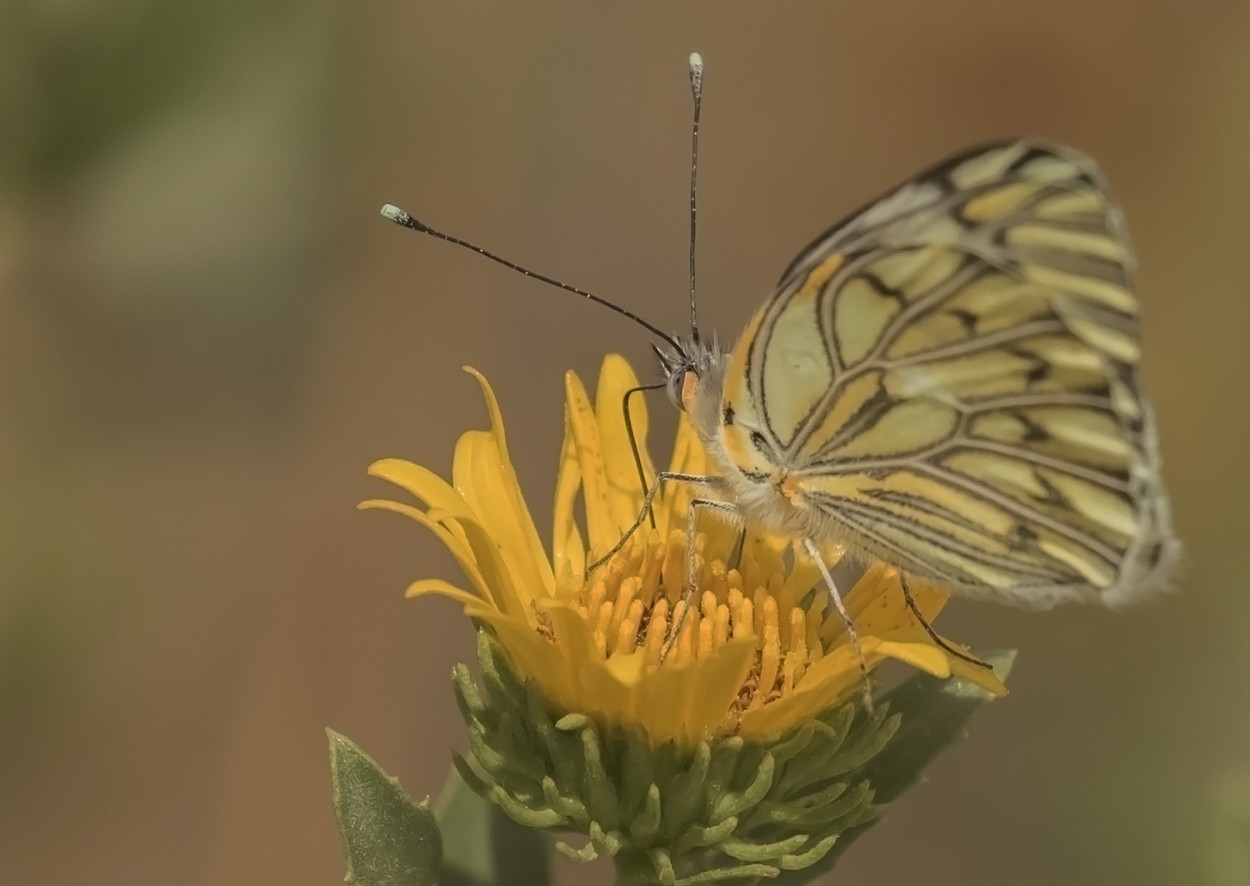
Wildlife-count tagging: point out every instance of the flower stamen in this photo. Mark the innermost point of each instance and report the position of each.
(632, 602)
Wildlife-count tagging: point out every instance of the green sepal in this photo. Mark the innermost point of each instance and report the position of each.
(762, 852)
(388, 840)
(601, 799)
(684, 794)
(646, 824)
(732, 803)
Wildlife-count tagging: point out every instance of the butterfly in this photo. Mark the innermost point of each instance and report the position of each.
(947, 381)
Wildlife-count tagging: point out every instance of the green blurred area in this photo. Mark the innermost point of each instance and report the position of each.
(206, 334)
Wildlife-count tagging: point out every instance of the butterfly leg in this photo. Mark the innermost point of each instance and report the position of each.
(814, 553)
(734, 560)
(933, 635)
(647, 500)
(725, 511)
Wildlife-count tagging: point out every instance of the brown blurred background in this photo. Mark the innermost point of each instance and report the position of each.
(207, 333)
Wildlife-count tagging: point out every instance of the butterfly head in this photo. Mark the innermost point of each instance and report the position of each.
(687, 366)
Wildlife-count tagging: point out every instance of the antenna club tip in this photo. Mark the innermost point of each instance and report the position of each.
(391, 212)
(394, 213)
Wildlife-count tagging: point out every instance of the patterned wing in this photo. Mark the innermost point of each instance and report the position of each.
(948, 380)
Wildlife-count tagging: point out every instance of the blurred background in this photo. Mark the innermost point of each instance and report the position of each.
(207, 333)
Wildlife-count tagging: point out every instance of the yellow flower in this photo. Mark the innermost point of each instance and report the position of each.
(759, 653)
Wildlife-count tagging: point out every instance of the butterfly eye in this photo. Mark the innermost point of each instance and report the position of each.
(689, 388)
(676, 386)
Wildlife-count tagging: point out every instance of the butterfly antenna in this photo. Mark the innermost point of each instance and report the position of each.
(404, 219)
(696, 90)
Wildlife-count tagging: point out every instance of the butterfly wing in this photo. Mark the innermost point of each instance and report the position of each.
(948, 380)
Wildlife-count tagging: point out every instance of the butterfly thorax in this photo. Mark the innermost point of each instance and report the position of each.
(733, 435)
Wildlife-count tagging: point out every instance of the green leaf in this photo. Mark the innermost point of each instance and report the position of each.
(934, 715)
(483, 847)
(388, 840)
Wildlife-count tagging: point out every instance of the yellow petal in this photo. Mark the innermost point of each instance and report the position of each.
(625, 488)
(440, 588)
(485, 477)
(458, 546)
(628, 668)
(977, 676)
(877, 605)
(568, 557)
(689, 701)
(602, 530)
(688, 458)
(610, 690)
(916, 650)
(537, 659)
(572, 632)
(425, 485)
(421, 482)
(477, 474)
(500, 571)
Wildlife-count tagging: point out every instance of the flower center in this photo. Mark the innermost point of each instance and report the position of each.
(637, 599)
